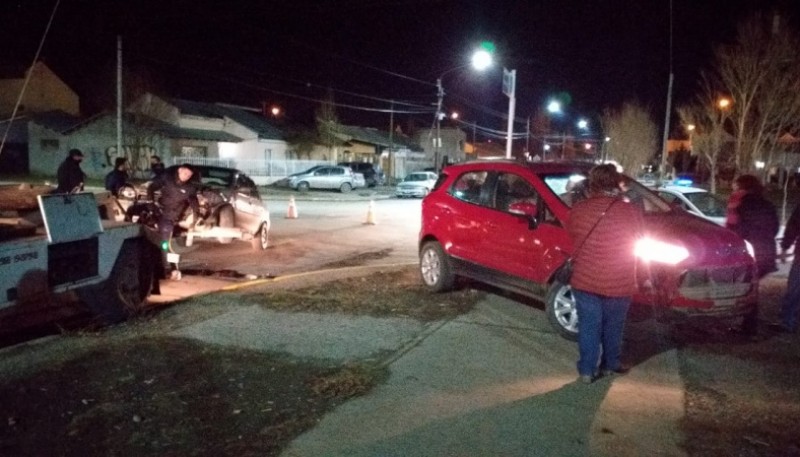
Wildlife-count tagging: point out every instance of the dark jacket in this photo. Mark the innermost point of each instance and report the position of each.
(115, 179)
(175, 195)
(69, 175)
(156, 170)
(756, 220)
(604, 263)
(792, 231)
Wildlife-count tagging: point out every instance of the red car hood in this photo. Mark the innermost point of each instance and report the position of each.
(708, 243)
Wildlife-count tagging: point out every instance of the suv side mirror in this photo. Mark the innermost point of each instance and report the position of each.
(526, 209)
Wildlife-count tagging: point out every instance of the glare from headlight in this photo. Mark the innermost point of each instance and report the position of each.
(750, 249)
(651, 250)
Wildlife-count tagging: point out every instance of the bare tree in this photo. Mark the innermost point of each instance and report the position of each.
(328, 123)
(633, 136)
(754, 70)
(708, 120)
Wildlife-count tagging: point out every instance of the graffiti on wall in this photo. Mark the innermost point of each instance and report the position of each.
(138, 158)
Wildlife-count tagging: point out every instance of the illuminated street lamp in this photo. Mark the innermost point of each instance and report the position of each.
(554, 107)
(583, 124)
(481, 60)
(276, 111)
(724, 103)
(454, 115)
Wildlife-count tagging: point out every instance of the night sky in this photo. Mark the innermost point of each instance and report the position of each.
(600, 53)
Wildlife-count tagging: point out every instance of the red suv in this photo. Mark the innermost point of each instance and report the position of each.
(503, 223)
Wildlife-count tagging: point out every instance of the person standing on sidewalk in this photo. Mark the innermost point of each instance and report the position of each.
(791, 300)
(70, 176)
(755, 219)
(606, 226)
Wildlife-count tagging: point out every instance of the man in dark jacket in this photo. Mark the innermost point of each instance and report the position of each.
(177, 193)
(755, 219)
(117, 177)
(70, 176)
(791, 301)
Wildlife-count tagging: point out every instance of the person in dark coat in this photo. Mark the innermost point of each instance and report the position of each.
(755, 219)
(70, 176)
(178, 192)
(791, 300)
(156, 167)
(117, 177)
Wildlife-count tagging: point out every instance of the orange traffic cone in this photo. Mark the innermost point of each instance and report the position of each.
(371, 214)
(291, 213)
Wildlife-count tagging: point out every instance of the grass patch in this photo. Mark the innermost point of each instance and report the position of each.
(132, 398)
(376, 295)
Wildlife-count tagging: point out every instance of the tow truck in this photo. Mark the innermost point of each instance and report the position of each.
(56, 250)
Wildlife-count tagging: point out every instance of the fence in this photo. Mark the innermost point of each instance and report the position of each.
(262, 171)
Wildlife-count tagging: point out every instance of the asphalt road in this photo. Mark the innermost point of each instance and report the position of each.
(325, 232)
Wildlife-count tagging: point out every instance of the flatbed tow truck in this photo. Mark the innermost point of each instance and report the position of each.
(56, 251)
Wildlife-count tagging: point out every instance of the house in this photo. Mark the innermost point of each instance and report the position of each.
(15, 155)
(175, 130)
(396, 153)
(451, 148)
(45, 92)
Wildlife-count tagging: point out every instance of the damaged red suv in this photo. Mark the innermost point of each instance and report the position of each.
(502, 223)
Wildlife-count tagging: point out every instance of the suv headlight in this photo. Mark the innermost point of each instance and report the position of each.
(651, 250)
(750, 249)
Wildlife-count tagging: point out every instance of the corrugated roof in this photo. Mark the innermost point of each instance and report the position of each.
(244, 116)
(56, 120)
(377, 137)
(165, 128)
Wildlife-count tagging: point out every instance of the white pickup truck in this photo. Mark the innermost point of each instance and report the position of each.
(58, 249)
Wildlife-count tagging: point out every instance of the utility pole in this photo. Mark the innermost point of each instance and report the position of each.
(528, 136)
(509, 88)
(391, 142)
(438, 141)
(119, 99)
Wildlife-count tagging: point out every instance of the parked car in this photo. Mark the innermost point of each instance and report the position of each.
(695, 200)
(373, 175)
(417, 184)
(327, 177)
(503, 223)
(230, 208)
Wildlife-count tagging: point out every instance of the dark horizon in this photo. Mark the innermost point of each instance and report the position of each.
(598, 53)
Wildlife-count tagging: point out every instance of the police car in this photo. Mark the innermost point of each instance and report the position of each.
(694, 200)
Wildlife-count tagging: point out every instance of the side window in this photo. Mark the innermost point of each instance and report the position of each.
(322, 172)
(669, 198)
(512, 188)
(337, 171)
(468, 186)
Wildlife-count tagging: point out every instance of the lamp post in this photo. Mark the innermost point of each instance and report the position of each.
(509, 88)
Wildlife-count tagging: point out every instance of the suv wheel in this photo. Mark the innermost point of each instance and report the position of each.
(434, 267)
(561, 310)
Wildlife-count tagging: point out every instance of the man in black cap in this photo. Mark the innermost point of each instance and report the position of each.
(70, 176)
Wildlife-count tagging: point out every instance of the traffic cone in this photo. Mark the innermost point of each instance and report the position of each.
(291, 213)
(371, 214)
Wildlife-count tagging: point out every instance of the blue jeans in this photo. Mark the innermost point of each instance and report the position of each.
(791, 301)
(601, 322)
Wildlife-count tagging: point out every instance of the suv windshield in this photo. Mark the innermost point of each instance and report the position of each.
(571, 187)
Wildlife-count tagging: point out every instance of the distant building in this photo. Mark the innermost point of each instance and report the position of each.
(451, 148)
(45, 92)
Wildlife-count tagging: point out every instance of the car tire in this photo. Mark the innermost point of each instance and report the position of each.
(561, 310)
(261, 237)
(345, 188)
(226, 219)
(434, 267)
(303, 186)
(125, 290)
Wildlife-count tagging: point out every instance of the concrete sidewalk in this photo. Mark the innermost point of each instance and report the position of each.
(497, 381)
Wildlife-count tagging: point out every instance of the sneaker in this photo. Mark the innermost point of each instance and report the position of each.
(175, 275)
(617, 371)
(779, 327)
(586, 379)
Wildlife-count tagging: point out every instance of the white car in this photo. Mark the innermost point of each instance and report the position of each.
(327, 177)
(696, 201)
(417, 184)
